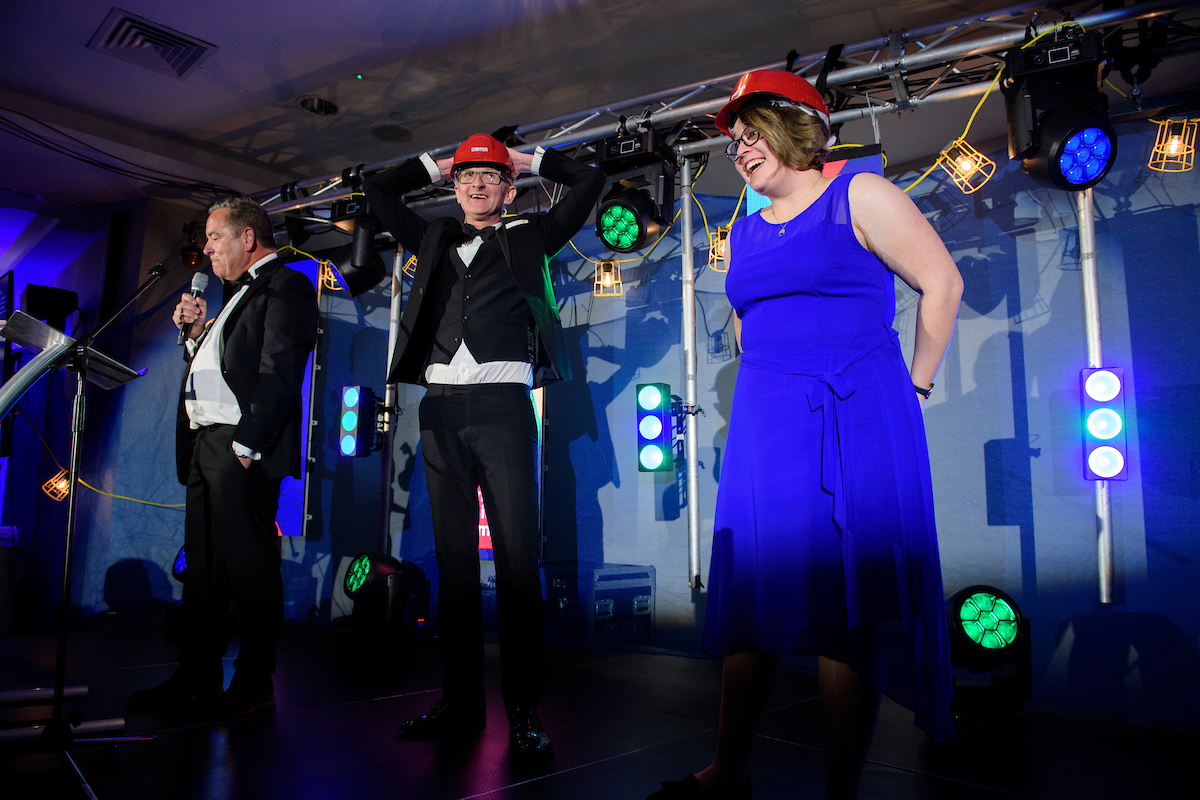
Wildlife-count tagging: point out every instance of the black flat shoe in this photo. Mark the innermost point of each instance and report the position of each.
(446, 720)
(689, 789)
(527, 737)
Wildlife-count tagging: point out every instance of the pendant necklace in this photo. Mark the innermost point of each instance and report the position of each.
(775, 214)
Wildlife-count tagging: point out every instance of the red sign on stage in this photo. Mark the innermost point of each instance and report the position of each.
(485, 533)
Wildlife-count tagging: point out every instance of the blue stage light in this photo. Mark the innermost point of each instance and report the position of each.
(1105, 452)
(656, 430)
(356, 436)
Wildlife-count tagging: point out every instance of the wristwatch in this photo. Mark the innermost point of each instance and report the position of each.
(924, 392)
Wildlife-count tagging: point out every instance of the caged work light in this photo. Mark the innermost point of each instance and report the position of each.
(607, 281)
(966, 166)
(1175, 145)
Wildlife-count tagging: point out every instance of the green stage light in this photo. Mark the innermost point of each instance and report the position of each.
(988, 621)
(626, 219)
(356, 574)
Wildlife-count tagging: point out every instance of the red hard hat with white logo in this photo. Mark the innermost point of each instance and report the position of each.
(482, 150)
(774, 87)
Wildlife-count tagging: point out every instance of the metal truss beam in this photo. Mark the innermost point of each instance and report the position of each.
(959, 61)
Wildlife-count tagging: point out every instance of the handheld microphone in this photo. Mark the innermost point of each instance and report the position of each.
(199, 284)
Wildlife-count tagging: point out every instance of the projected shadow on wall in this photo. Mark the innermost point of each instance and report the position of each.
(134, 584)
(992, 282)
(580, 458)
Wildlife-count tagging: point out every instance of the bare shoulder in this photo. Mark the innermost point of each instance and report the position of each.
(871, 190)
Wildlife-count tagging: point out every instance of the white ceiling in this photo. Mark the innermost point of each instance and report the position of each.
(438, 69)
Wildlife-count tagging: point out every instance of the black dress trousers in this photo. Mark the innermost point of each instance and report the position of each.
(485, 436)
(232, 550)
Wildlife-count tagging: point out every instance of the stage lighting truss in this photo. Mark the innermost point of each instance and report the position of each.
(655, 427)
(1175, 145)
(903, 71)
(1105, 447)
(57, 487)
(966, 166)
(607, 280)
(718, 248)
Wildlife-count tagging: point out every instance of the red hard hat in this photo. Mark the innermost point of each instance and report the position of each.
(768, 84)
(480, 149)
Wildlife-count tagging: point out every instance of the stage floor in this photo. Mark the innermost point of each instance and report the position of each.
(621, 722)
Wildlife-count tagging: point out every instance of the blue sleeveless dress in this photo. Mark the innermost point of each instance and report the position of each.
(824, 540)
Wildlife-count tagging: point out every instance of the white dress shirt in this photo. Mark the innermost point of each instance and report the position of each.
(212, 401)
(463, 369)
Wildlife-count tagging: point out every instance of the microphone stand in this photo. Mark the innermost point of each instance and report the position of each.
(58, 735)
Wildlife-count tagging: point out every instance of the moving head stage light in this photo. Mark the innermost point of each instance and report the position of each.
(1057, 115)
(358, 265)
(639, 198)
(989, 634)
(391, 600)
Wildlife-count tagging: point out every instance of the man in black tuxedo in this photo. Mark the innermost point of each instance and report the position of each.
(480, 328)
(237, 436)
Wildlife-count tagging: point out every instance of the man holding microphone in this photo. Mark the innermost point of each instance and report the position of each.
(237, 436)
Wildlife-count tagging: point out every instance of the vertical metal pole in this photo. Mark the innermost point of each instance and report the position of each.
(390, 399)
(78, 419)
(311, 429)
(690, 437)
(1095, 354)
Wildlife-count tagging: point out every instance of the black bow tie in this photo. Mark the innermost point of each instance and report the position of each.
(469, 232)
(244, 280)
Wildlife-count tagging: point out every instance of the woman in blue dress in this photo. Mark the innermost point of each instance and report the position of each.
(824, 541)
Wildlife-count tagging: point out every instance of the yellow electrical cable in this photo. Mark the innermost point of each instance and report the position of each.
(300, 252)
(703, 216)
(82, 482)
(967, 130)
(1115, 89)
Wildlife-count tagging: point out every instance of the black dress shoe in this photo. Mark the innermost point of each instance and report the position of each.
(526, 735)
(178, 694)
(689, 789)
(446, 720)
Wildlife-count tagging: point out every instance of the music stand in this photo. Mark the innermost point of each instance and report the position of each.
(54, 350)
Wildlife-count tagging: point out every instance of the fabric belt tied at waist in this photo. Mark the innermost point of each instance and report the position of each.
(827, 392)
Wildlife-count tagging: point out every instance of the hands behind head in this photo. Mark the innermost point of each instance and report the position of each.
(522, 161)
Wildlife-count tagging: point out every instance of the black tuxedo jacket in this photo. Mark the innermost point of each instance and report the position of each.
(528, 242)
(266, 342)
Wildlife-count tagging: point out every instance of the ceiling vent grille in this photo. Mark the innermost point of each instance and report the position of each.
(139, 41)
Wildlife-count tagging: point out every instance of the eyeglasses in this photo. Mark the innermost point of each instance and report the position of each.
(748, 138)
(489, 176)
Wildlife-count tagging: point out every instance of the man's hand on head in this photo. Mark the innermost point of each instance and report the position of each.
(445, 166)
(523, 162)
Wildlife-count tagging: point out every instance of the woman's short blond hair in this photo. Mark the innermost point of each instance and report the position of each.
(798, 139)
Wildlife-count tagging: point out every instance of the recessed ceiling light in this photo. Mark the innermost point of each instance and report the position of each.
(318, 105)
